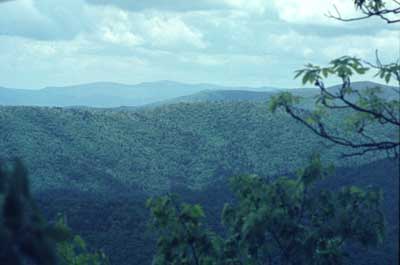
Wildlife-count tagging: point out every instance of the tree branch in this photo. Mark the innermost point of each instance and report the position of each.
(321, 131)
(192, 247)
(354, 106)
(381, 12)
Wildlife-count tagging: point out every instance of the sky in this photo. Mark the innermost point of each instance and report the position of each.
(227, 42)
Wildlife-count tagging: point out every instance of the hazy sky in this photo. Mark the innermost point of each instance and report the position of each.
(230, 42)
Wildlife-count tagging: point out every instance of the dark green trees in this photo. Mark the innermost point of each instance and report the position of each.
(285, 221)
(182, 237)
(74, 251)
(24, 235)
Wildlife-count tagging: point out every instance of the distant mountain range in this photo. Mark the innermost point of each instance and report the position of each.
(260, 95)
(98, 94)
(108, 95)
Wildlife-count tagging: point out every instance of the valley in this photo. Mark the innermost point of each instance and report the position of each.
(102, 164)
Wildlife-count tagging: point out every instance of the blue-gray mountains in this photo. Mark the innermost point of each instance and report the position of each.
(105, 94)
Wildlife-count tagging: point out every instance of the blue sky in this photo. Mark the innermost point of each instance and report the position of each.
(227, 42)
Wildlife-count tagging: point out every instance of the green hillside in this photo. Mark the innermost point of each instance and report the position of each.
(109, 218)
(98, 166)
(155, 149)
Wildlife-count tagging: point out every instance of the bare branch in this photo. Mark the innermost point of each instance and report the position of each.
(389, 15)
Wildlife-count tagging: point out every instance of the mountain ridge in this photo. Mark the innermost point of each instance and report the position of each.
(111, 94)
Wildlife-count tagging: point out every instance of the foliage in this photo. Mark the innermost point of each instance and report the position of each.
(25, 237)
(285, 221)
(157, 149)
(75, 251)
(85, 161)
(105, 219)
(66, 151)
(24, 234)
(183, 240)
(361, 108)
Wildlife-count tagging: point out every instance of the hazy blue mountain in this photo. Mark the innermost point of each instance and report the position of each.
(104, 94)
(259, 95)
(387, 91)
(97, 94)
(221, 95)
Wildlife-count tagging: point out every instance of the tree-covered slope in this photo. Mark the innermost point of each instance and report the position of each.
(156, 149)
(106, 219)
(221, 95)
(99, 166)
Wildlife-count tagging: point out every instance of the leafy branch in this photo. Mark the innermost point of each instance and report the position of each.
(284, 221)
(365, 107)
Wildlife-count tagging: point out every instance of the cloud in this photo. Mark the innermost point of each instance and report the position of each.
(386, 42)
(168, 5)
(256, 6)
(156, 30)
(115, 27)
(21, 18)
(172, 31)
(311, 11)
(233, 42)
(43, 20)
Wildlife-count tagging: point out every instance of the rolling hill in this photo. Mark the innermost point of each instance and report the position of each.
(103, 94)
(109, 95)
(235, 95)
(156, 148)
(220, 95)
(98, 166)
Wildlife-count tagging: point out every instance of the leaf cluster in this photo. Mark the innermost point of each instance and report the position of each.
(74, 251)
(342, 67)
(362, 108)
(285, 221)
(183, 239)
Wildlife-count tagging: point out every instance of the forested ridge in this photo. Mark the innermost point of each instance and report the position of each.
(155, 149)
(98, 166)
